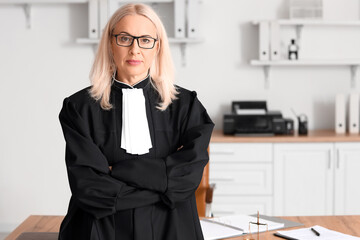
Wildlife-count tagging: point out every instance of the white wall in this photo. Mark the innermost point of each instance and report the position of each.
(40, 66)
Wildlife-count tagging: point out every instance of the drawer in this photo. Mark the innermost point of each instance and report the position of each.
(223, 206)
(241, 178)
(240, 152)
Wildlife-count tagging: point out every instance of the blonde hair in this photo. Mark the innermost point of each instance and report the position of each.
(161, 71)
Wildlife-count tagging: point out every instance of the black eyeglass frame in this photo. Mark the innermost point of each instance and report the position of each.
(133, 38)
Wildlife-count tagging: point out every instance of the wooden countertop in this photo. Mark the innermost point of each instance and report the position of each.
(344, 224)
(313, 136)
(51, 224)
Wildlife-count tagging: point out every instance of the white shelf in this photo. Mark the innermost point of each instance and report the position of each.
(344, 62)
(26, 4)
(319, 22)
(299, 24)
(145, 1)
(41, 1)
(354, 65)
(302, 22)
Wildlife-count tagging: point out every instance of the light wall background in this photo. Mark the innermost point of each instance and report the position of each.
(41, 66)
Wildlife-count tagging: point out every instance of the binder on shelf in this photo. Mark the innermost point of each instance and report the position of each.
(264, 41)
(104, 15)
(274, 40)
(93, 19)
(192, 18)
(340, 113)
(354, 113)
(179, 18)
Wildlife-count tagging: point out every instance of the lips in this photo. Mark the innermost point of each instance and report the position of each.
(133, 62)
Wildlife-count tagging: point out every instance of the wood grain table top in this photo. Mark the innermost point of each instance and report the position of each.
(344, 224)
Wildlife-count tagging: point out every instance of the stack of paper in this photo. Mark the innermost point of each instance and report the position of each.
(213, 231)
(308, 234)
(234, 225)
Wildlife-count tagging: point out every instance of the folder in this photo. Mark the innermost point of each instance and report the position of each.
(179, 18)
(264, 41)
(274, 40)
(354, 113)
(193, 7)
(340, 113)
(93, 19)
(104, 15)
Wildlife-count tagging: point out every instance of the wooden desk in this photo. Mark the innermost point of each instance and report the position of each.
(345, 224)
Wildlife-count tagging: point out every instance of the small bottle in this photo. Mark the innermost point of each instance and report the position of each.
(209, 199)
(293, 50)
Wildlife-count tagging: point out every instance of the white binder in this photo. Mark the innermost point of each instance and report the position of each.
(93, 19)
(104, 15)
(264, 41)
(193, 7)
(179, 18)
(274, 40)
(340, 113)
(354, 113)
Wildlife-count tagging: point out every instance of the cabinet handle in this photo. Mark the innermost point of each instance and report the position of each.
(222, 180)
(329, 160)
(230, 152)
(337, 159)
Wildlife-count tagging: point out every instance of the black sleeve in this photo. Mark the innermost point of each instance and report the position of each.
(178, 175)
(92, 187)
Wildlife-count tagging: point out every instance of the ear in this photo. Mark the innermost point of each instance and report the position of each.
(157, 45)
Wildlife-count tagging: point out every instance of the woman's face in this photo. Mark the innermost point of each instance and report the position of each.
(133, 62)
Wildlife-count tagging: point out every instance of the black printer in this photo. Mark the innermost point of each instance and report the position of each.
(253, 118)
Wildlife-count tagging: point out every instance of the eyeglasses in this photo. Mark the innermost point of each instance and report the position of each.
(126, 40)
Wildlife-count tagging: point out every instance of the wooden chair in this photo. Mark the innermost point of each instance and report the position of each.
(200, 193)
(202, 190)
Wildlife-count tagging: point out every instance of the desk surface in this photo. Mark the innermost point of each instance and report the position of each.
(345, 224)
(313, 136)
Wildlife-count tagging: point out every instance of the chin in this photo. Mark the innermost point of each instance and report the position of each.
(136, 72)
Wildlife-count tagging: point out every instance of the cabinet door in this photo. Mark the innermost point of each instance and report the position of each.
(303, 179)
(347, 178)
(241, 152)
(226, 205)
(241, 178)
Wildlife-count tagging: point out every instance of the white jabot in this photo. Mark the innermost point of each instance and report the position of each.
(135, 135)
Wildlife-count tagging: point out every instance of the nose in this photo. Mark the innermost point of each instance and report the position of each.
(134, 48)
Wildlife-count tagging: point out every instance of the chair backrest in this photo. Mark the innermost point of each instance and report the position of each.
(200, 193)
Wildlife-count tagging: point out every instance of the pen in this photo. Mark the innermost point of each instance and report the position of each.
(316, 232)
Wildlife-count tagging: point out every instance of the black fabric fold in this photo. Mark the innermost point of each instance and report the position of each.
(142, 197)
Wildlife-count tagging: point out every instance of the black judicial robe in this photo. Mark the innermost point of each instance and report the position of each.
(143, 197)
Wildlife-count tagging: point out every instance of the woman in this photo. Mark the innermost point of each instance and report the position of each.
(136, 145)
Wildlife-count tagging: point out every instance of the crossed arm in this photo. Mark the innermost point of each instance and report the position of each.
(102, 190)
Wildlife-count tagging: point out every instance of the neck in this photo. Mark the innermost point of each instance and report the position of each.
(130, 80)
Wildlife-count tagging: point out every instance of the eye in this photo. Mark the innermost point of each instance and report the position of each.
(145, 40)
(125, 39)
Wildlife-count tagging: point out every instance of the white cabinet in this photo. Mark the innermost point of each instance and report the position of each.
(316, 179)
(303, 179)
(312, 178)
(347, 179)
(243, 176)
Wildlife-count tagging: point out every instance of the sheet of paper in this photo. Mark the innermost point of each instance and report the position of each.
(212, 231)
(307, 234)
(242, 222)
